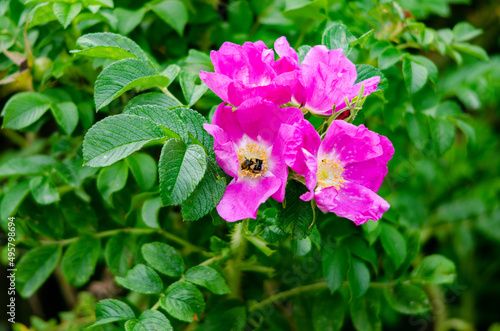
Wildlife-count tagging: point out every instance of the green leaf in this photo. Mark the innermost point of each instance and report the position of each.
(72, 207)
(111, 310)
(195, 56)
(418, 129)
(80, 259)
(128, 20)
(66, 115)
(328, 312)
(408, 299)
(190, 90)
(172, 12)
(464, 31)
(473, 50)
(389, 57)
(163, 258)
(150, 211)
(66, 12)
(194, 124)
(141, 279)
(35, 267)
(143, 168)
(468, 130)
(167, 118)
(181, 169)
(360, 248)
(435, 269)
(30, 165)
(363, 39)
(183, 301)
(116, 137)
(152, 98)
(43, 191)
(365, 313)
(442, 134)
(366, 71)
(302, 52)
(112, 179)
(295, 216)
(207, 194)
(42, 13)
(122, 76)
(415, 75)
(24, 109)
(358, 277)
(240, 16)
(11, 200)
(118, 252)
(150, 320)
(394, 244)
(338, 36)
(431, 67)
(228, 315)
(109, 46)
(209, 278)
(335, 263)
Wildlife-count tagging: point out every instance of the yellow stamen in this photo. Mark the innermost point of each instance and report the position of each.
(252, 151)
(330, 173)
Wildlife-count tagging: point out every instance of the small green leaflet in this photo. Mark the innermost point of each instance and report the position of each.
(110, 46)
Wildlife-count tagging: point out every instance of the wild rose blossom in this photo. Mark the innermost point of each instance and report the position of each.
(243, 72)
(249, 144)
(323, 80)
(343, 171)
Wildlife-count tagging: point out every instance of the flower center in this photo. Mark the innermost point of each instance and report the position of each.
(330, 173)
(253, 160)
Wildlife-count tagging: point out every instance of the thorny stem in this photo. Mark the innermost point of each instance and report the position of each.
(233, 268)
(110, 233)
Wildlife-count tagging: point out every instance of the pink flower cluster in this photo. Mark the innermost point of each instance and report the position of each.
(262, 133)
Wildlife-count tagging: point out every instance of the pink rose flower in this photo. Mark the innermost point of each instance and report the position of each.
(249, 144)
(248, 71)
(343, 171)
(324, 79)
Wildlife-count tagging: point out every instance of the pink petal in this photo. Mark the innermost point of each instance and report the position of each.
(279, 168)
(371, 173)
(262, 119)
(217, 83)
(370, 85)
(348, 143)
(226, 119)
(282, 47)
(224, 150)
(242, 198)
(353, 201)
(278, 94)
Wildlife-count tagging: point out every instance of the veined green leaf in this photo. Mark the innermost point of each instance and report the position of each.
(141, 279)
(338, 36)
(163, 258)
(79, 261)
(415, 75)
(172, 12)
(110, 46)
(150, 320)
(66, 115)
(209, 278)
(24, 109)
(124, 75)
(183, 300)
(66, 12)
(181, 168)
(35, 267)
(116, 137)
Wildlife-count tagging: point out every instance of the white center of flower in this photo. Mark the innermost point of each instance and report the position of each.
(330, 173)
(253, 160)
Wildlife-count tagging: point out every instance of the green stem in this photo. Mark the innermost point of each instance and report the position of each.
(110, 233)
(233, 267)
(167, 92)
(299, 290)
(156, 306)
